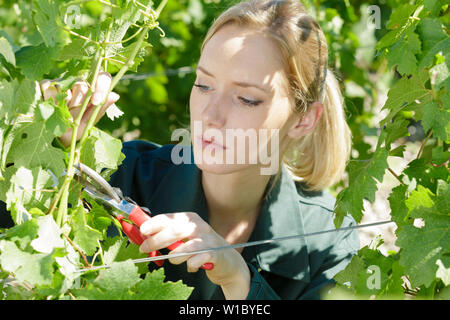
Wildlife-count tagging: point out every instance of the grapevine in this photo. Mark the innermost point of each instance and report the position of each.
(56, 231)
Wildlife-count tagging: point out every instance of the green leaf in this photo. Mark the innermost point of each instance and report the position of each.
(36, 61)
(23, 234)
(57, 118)
(406, 92)
(122, 282)
(400, 15)
(402, 54)
(7, 51)
(362, 184)
(85, 236)
(399, 211)
(114, 283)
(101, 151)
(18, 98)
(438, 119)
(77, 49)
(394, 131)
(154, 288)
(49, 235)
(440, 47)
(120, 249)
(30, 145)
(48, 22)
(422, 247)
(25, 188)
(349, 276)
(431, 32)
(7, 99)
(36, 269)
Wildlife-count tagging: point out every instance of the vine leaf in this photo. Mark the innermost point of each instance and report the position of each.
(403, 53)
(101, 151)
(31, 146)
(406, 92)
(86, 237)
(25, 188)
(153, 287)
(36, 61)
(47, 18)
(17, 98)
(422, 247)
(121, 250)
(438, 119)
(362, 184)
(49, 235)
(36, 269)
(122, 282)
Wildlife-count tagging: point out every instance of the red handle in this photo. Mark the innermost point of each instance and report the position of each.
(138, 216)
(135, 236)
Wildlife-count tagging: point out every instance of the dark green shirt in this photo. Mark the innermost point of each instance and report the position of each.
(293, 269)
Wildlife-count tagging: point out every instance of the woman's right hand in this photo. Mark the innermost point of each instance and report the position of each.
(76, 97)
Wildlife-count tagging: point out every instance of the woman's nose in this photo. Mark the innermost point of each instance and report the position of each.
(213, 113)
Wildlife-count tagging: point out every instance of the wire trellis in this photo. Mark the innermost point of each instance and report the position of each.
(167, 72)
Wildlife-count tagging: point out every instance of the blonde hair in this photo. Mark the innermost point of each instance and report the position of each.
(319, 158)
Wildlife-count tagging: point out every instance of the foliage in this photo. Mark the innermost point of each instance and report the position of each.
(56, 231)
(416, 45)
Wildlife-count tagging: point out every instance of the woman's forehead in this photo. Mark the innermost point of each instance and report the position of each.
(243, 55)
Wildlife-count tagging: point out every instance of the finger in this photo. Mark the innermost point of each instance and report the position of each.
(44, 84)
(68, 97)
(112, 98)
(195, 262)
(163, 239)
(188, 246)
(80, 90)
(101, 88)
(155, 224)
(48, 90)
(178, 220)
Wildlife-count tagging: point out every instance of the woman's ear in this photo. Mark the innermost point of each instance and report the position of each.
(306, 124)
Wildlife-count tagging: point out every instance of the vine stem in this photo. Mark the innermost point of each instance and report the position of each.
(63, 195)
(423, 144)
(396, 176)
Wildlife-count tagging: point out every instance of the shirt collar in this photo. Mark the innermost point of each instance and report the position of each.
(181, 191)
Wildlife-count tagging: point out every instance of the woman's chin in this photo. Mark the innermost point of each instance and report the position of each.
(212, 165)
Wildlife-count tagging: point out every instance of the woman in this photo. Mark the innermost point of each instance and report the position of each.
(263, 65)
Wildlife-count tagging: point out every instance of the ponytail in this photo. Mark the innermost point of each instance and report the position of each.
(319, 158)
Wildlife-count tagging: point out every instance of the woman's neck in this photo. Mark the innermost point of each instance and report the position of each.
(234, 200)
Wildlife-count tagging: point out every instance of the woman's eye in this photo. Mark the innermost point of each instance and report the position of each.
(247, 102)
(252, 103)
(201, 87)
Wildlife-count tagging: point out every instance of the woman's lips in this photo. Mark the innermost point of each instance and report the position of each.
(211, 142)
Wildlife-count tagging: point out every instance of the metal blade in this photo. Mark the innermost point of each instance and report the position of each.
(242, 245)
(104, 185)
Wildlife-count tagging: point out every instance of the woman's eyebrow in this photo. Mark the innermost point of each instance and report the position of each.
(239, 83)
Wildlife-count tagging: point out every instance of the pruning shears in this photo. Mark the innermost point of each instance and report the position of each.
(130, 215)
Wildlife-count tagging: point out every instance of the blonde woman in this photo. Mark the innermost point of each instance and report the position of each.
(263, 66)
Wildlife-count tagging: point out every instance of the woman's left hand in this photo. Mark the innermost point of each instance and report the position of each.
(230, 269)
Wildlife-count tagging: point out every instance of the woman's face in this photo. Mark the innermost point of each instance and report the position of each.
(240, 84)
